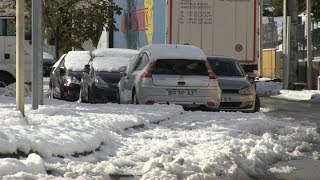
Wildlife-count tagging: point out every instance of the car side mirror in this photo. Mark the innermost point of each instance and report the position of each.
(62, 71)
(86, 68)
(251, 77)
(123, 70)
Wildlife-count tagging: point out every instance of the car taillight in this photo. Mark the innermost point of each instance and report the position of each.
(210, 72)
(148, 72)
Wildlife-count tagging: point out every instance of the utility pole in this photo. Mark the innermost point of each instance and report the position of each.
(293, 13)
(260, 38)
(36, 53)
(284, 42)
(309, 60)
(284, 29)
(20, 56)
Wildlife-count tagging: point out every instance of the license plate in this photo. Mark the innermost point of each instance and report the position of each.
(180, 92)
(226, 99)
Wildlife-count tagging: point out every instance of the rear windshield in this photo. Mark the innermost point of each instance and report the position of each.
(180, 67)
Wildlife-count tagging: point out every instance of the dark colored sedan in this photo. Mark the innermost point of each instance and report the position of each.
(238, 89)
(66, 75)
(99, 85)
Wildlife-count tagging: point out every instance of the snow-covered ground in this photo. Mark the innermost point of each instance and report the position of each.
(71, 140)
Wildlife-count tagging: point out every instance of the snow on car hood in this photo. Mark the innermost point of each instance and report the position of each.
(233, 82)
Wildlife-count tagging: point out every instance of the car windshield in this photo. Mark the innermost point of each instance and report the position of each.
(226, 67)
(111, 77)
(180, 67)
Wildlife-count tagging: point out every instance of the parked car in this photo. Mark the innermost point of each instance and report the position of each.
(48, 62)
(105, 71)
(66, 75)
(238, 88)
(165, 74)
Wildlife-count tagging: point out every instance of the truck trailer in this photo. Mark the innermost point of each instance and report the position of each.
(218, 27)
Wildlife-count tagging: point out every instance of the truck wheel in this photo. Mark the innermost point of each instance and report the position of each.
(6, 79)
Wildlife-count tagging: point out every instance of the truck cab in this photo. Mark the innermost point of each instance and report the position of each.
(8, 51)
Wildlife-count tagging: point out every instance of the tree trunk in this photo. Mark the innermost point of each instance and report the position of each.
(293, 12)
(57, 42)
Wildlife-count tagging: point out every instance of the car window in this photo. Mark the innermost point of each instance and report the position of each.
(59, 63)
(180, 67)
(139, 64)
(144, 61)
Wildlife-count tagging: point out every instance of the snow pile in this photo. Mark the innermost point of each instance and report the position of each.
(313, 95)
(10, 90)
(266, 87)
(33, 165)
(68, 128)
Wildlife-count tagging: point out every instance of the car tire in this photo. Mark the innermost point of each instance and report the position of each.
(134, 98)
(89, 95)
(61, 93)
(257, 104)
(5, 80)
(81, 97)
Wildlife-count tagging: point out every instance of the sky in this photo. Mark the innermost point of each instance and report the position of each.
(72, 140)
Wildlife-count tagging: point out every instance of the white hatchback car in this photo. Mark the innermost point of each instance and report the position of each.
(171, 74)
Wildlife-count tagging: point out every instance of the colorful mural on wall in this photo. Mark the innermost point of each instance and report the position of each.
(142, 22)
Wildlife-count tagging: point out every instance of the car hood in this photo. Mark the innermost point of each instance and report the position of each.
(235, 82)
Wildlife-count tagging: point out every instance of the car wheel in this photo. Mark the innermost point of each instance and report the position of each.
(61, 93)
(81, 97)
(5, 80)
(89, 95)
(118, 97)
(257, 104)
(134, 98)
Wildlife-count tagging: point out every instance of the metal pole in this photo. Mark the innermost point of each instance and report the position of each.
(260, 38)
(288, 52)
(40, 41)
(20, 56)
(284, 28)
(284, 39)
(309, 61)
(35, 54)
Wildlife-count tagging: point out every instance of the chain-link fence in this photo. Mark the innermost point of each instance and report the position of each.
(272, 36)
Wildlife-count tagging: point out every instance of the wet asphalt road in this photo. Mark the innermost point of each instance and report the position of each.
(299, 110)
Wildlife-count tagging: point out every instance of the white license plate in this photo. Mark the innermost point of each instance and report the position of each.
(226, 99)
(180, 92)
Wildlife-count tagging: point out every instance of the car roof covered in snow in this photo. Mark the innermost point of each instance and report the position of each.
(114, 52)
(112, 59)
(75, 60)
(172, 51)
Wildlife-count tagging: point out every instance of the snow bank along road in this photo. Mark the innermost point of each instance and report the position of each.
(73, 140)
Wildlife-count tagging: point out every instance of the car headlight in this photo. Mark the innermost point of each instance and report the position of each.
(72, 80)
(100, 82)
(246, 91)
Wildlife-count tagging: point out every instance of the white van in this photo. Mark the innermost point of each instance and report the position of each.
(8, 52)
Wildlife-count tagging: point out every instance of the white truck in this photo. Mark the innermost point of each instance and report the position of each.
(219, 27)
(8, 52)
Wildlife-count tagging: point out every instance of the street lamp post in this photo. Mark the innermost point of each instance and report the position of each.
(20, 56)
(309, 61)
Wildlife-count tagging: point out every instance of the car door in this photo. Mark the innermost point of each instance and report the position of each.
(127, 82)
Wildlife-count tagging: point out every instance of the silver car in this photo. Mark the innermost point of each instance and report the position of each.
(171, 74)
(238, 90)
